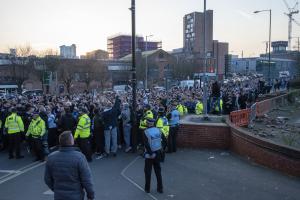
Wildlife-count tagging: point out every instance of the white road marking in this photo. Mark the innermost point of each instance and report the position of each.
(49, 192)
(131, 181)
(10, 171)
(22, 171)
(25, 167)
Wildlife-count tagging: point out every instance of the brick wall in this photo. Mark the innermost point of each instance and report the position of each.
(264, 152)
(261, 151)
(203, 136)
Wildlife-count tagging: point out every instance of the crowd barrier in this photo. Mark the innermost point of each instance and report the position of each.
(259, 109)
(240, 117)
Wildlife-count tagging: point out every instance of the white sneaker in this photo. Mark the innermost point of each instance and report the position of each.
(100, 157)
(128, 149)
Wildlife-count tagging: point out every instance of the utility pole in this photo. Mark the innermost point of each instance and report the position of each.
(133, 70)
(270, 32)
(205, 66)
(146, 71)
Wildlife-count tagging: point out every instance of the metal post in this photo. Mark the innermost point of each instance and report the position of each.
(146, 78)
(270, 30)
(205, 65)
(298, 45)
(134, 122)
(146, 49)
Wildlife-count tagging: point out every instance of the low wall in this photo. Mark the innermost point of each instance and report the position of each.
(199, 136)
(237, 140)
(264, 152)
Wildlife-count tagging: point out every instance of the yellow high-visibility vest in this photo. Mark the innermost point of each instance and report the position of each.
(83, 129)
(14, 124)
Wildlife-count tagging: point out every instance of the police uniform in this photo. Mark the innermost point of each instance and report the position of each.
(199, 108)
(82, 136)
(180, 109)
(36, 131)
(174, 117)
(14, 126)
(152, 155)
(163, 125)
(143, 124)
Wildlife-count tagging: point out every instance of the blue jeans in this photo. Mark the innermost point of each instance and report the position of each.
(111, 140)
(127, 134)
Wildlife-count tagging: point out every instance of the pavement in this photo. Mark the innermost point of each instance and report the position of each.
(187, 174)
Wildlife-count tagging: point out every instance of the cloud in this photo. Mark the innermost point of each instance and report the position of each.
(245, 14)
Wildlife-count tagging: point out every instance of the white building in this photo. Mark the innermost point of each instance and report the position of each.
(68, 51)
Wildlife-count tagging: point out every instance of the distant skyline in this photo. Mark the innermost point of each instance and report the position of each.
(88, 23)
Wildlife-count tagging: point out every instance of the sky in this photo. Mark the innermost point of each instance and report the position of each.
(88, 23)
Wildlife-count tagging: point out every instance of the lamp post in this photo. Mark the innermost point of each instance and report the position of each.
(146, 49)
(270, 30)
(133, 70)
(205, 65)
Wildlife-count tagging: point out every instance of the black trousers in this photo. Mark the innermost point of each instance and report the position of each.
(14, 144)
(85, 147)
(172, 146)
(52, 137)
(37, 148)
(155, 163)
(164, 143)
(140, 139)
(99, 140)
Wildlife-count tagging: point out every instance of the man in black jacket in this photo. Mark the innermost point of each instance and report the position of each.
(67, 121)
(98, 132)
(67, 172)
(110, 119)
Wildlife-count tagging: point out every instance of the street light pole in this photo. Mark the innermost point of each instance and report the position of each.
(146, 49)
(270, 32)
(205, 65)
(133, 70)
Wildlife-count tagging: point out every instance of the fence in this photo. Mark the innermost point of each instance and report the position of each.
(241, 117)
(259, 109)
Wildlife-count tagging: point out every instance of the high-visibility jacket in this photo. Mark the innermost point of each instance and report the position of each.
(83, 129)
(199, 108)
(143, 122)
(163, 125)
(37, 128)
(221, 106)
(185, 110)
(180, 109)
(14, 124)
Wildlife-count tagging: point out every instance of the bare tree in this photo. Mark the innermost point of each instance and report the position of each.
(66, 75)
(22, 65)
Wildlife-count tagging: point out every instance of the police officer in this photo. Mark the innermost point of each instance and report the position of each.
(199, 108)
(174, 117)
(148, 114)
(14, 127)
(180, 109)
(163, 125)
(83, 133)
(36, 131)
(152, 155)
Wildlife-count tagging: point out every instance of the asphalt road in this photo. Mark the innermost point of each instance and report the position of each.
(188, 175)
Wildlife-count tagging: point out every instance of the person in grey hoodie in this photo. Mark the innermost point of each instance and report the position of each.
(125, 114)
(67, 172)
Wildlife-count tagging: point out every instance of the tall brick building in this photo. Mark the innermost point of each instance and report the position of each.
(120, 45)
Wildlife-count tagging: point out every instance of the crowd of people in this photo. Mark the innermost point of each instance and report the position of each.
(103, 123)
